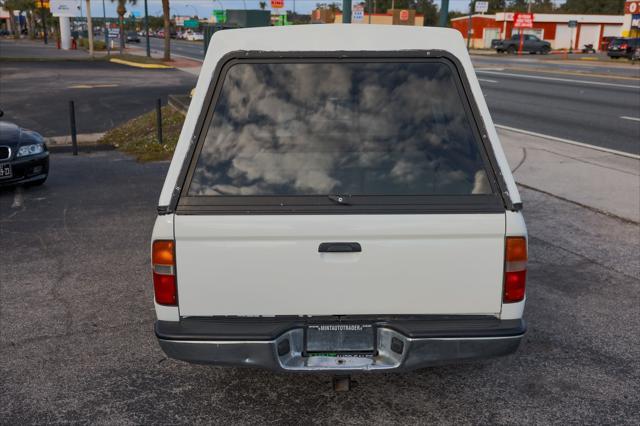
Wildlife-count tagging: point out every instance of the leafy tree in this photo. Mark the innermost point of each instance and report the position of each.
(537, 6)
(430, 11)
(608, 7)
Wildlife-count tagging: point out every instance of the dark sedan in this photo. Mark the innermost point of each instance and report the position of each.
(623, 47)
(24, 158)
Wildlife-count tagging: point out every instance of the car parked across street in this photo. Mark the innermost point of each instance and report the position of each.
(338, 207)
(530, 44)
(133, 37)
(623, 47)
(24, 158)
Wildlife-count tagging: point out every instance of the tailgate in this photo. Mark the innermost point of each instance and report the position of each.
(408, 264)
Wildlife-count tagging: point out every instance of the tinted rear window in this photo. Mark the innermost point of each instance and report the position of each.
(385, 128)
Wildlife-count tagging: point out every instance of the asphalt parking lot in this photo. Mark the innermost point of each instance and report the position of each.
(36, 95)
(77, 342)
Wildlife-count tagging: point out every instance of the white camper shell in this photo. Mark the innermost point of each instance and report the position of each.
(338, 201)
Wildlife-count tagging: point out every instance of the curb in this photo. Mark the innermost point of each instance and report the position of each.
(139, 65)
(180, 103)
(569, 142)
(83, 139)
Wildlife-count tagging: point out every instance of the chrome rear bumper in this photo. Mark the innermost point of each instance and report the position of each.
(395, 351)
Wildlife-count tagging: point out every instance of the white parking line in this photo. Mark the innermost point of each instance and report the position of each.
(487, 80)
(570, 142)
(624, 117)
(566, 80)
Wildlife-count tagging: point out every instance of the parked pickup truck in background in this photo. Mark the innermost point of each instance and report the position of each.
(530, 43)
(338, 201)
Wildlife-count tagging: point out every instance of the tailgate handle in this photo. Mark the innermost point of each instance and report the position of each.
(339, 248)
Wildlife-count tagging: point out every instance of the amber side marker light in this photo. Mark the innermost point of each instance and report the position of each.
(163, 261)
(515, 269)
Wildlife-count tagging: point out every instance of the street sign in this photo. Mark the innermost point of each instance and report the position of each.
(277, 4)
(482, 6)
(573, 24)
(219, 16)
(70, 8)
(191, 23)
(523, 20)
(357, 14)
(404, 15)
(114, 33)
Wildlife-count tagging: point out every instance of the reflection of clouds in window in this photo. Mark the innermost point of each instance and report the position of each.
(359, 128)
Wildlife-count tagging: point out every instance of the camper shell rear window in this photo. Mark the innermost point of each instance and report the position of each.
(339, 135)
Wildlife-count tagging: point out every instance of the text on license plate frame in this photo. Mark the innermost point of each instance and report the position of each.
(342, 338)
(5, 171)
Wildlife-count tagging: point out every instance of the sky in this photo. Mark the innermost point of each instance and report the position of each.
(203, 8)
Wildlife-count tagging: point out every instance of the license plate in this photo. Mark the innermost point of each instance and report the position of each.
(5, 171)
(340, 338)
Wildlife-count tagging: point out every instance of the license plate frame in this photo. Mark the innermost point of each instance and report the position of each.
(351, 338)
(6, 171)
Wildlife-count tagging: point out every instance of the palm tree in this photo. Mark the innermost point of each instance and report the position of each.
(122, 9)
(89, 28)
(167, 30)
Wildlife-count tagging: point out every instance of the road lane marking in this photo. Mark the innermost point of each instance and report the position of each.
(487, 80)
(624, 117)
(566, 80)
(570, 142)
(91, 86)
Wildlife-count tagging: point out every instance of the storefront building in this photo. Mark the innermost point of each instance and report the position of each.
(562, 31)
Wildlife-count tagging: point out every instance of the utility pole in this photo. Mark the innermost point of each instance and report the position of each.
(346, 11)
(470, 25)
(504, 24)
(146, 27)
(444, 14)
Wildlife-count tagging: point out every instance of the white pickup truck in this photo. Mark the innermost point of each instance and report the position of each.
(338, 201)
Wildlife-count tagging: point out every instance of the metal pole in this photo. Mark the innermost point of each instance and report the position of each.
(470, 25)
(159, 119)
(72, 123)
(443, 20)
(146, 27)
(369, 7)
(346, 11)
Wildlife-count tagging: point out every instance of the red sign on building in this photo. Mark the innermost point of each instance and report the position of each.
(404, 15)
(277, 4)
(632, 7)
(523, 20)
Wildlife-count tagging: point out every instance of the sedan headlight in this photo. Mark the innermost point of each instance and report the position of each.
(32, 149)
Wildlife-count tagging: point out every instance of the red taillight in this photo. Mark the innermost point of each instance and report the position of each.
(164, 272)
(515, 269)
(624, 46)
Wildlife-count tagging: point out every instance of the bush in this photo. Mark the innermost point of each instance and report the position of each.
(83, 43)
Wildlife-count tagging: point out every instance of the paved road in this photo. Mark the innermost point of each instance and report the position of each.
(77, 341)
(35, 95)
(603, 111)
(189, 49)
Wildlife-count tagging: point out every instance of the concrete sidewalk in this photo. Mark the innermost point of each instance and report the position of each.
(600, 180)
(36, 49)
